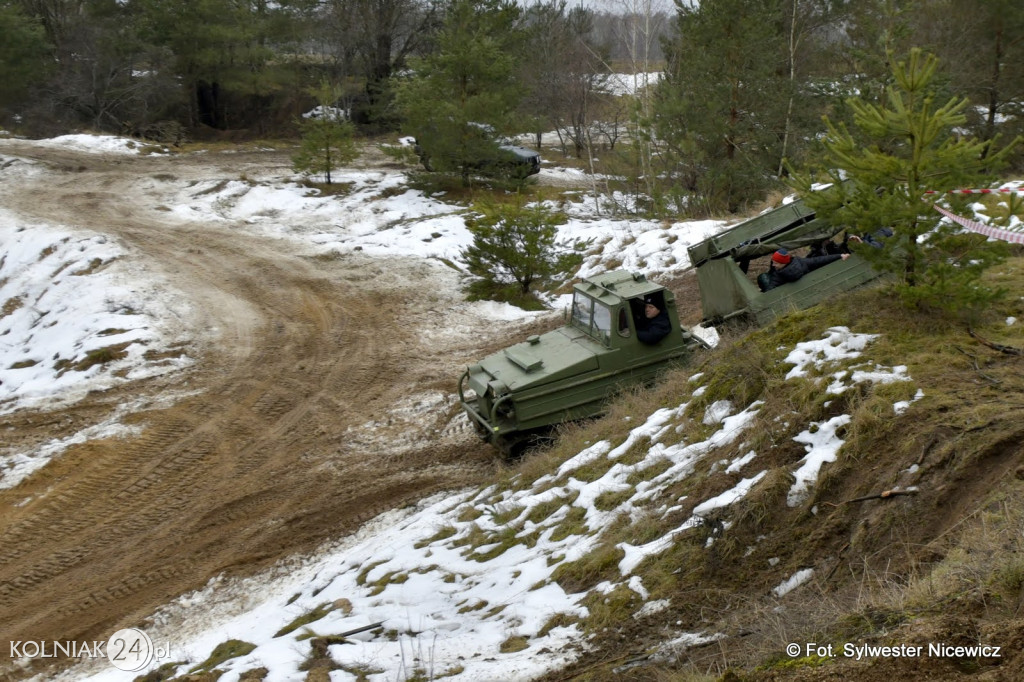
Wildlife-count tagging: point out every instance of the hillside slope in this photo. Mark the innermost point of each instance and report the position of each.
(889, 509)
(850, 477)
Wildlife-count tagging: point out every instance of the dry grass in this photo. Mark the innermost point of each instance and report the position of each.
(880, 564)
(11, 304)
(600, 564)
(514, 644)
(94, 266)
(98, 356)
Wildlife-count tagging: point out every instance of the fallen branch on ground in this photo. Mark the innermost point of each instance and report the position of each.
(882, 495)
(1009, 350)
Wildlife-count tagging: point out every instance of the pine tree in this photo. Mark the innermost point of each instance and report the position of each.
(23, 53)
(721, 105)
(515, 248)
(907, 146)
(983, 40)
(326, 138)
(465, 88)
(221, 52)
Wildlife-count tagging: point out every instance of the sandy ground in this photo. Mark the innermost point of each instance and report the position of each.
(321, 396)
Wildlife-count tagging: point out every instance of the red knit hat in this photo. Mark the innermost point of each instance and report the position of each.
(781, 257)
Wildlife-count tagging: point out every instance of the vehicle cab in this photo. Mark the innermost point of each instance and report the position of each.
(571, 372)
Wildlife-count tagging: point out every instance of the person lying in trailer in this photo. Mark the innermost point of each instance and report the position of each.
(791, 268)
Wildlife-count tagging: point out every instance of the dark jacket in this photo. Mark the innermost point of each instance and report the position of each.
(654, 329)
(798, 267)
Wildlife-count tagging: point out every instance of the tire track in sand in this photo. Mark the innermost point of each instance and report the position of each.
(254, 464)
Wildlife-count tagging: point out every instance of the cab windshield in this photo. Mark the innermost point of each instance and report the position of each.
(592, 317)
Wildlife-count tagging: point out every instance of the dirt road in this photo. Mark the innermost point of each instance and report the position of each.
(316, 402)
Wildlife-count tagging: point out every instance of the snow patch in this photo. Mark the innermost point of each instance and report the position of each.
(793, 582)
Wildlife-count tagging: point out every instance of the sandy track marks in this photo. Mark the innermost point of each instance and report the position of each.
(264, 457)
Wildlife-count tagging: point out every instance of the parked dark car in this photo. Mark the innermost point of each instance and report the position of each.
(498, 157)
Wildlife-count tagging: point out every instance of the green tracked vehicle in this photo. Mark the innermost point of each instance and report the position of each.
(516, 396)
(728, 291)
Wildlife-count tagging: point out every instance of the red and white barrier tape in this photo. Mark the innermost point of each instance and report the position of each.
(999, 190)
(982, 228)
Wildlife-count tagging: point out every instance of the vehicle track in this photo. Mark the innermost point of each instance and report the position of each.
(262, 456)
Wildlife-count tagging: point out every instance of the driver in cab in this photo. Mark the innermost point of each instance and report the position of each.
(653, 324)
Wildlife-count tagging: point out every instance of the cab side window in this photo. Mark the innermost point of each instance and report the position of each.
(623, 322)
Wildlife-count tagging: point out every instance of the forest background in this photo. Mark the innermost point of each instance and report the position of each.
(741, 91)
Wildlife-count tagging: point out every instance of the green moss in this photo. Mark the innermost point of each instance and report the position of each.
(306, 618)
(233, 648)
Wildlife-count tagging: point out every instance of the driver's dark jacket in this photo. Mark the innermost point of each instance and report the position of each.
(654, 329)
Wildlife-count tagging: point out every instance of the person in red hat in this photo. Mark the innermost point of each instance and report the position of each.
(787, 268)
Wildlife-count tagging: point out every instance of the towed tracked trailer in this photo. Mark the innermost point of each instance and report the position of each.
(728, 291)
(515, 396)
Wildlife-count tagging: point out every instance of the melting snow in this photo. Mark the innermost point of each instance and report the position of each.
(901, 406)
(839, 344)
(822, 444)
(793, 582)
